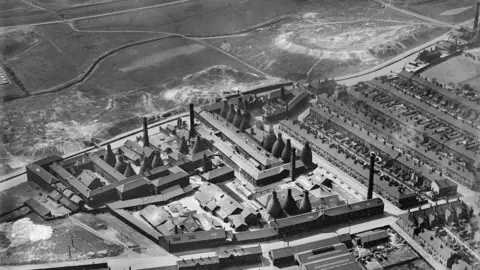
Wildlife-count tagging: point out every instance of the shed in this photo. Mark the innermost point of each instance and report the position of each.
(38, 208)
(372, 238)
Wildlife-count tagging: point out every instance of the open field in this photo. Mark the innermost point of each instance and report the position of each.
(458, 70)
(58, 59)
(14, 12)
(452, 11)
(311, 45)
(33, 240)
(36, 69)
(144, 80)
(209, 17)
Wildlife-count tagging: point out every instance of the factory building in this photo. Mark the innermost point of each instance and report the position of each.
(41, 177)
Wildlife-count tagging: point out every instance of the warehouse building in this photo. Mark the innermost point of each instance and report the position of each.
(372, 238)
(41, 177)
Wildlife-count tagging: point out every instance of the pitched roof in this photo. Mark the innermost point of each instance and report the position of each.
(133, 185)
(217, 173)
(373, 236)
(238, 252)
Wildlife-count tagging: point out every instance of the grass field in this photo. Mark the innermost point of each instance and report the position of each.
(126, 85)
(291, 48)
(43, 66)
(207, 17)
(452, 11)
(15, 12)
(458, 70)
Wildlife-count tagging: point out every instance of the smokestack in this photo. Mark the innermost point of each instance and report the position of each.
(293, 158)
(475, 23)
(370, 179)
(206, 164)
(146, 142)
(192, 121)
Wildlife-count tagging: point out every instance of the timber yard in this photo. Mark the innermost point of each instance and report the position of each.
(375, 170)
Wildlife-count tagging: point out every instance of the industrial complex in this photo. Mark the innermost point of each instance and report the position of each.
(380, 174)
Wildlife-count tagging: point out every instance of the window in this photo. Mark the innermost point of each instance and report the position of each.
(176, 239)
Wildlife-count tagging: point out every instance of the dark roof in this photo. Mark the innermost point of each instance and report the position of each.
(280, 253)
(187, 263)
(45, 175)
(69, 204)
(217, 173)
(238, 252)
(73, 181)
(107, 168)
(87, 178)
(255, 235)
(298, 219)
(46, 161)
(321, 253)
(169, 178)
(133, 185)
(316, 244)
(373, 236)
(196, 236)
(344, 237)
(445, 183)
(37, 207)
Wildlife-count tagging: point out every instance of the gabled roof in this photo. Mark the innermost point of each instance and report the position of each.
(240, 251)
(190, 224)
(371, 236)
(155, 215)
(217, 173)
(133, 185)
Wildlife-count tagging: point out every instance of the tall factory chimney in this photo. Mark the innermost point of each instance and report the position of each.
(293, 159)
(475, 23)
(192, 121)
(146, 142)
(370, 178)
